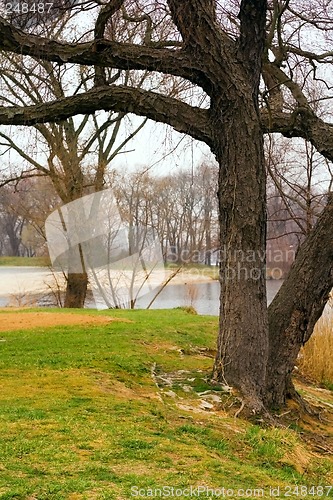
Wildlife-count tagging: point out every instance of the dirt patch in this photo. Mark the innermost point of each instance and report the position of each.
(23, 320)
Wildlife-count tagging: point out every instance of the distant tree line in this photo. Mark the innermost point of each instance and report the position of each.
(180, 208)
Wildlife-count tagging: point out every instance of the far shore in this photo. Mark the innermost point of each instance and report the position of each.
(24, 280)
(17, 283)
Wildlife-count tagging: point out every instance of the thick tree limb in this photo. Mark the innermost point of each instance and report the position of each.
(204, 39)
(182, 117)
(252, 17)
(105, 14)
(282, 79)
(299, 304)
(301, 123)
(100, 53)
(193, 18)
(102, 20)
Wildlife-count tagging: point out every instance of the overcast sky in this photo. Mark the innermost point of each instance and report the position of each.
(164, 149)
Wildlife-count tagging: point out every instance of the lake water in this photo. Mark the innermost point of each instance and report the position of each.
(205, 299)
(16, 283)
(19, 282)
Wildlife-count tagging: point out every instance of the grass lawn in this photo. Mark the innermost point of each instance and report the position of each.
(200, 270)
(114, 411)
(25, 261)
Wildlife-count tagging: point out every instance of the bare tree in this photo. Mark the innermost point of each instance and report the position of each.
(178, 207)
(69, 148)
(24, 208)
(12, 223)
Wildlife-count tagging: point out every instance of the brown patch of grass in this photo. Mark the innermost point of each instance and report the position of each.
(18, 320)
(299, 458)
(107, 385)
(316, 358)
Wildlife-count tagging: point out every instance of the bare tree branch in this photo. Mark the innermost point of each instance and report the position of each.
(184, 118)
(22, 153)
(301, 123)
(104, 15)
(100, 53)
(252, 17)
(18, 178)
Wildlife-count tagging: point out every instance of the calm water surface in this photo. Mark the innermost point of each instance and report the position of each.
(204, 297)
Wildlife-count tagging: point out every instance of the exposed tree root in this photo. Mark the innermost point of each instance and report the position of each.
(303, 405)
(255, 411)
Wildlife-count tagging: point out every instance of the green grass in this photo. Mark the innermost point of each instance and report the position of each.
(212, 272)
(82, 418)
(24, 261)
(201, 270)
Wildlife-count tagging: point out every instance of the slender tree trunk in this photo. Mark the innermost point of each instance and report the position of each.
(77, 277)
(243, 339)
(208, 239)
(298, 306)
(13, 236)
(76, 290)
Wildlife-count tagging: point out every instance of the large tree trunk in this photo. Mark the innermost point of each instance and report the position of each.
(76, 290)
(298, 306)
(242, 349)
(243, 338)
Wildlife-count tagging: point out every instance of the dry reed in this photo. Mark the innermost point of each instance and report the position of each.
(316, 358)
(191, 292)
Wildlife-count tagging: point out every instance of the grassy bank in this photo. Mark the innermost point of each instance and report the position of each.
(92, 411)
(212, 272)
(25, 261)
(199, 270)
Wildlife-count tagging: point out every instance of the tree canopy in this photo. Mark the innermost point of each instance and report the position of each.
(295, 96)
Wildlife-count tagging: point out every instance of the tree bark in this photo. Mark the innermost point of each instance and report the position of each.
(76, 290)
(298, 306)
(77, 277)
(243, 338)
(242, 348)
